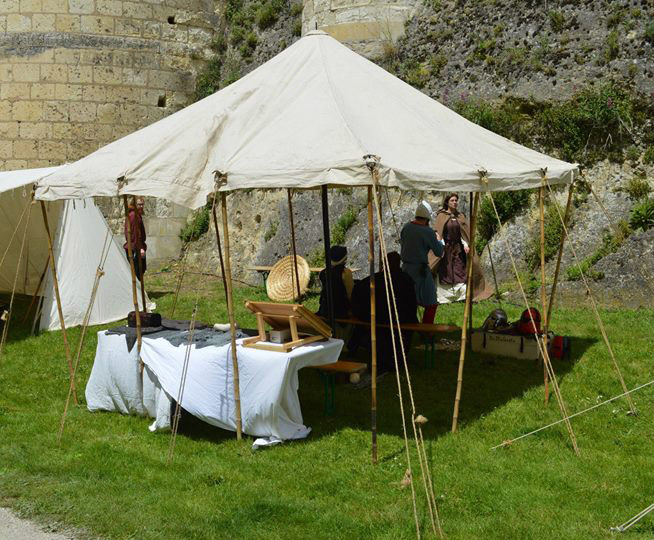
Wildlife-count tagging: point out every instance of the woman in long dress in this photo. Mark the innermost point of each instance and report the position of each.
(450, 269)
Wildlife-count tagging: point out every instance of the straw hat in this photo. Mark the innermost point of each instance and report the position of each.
(280, 284)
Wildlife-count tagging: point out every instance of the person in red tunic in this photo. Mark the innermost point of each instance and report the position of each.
(136, 236)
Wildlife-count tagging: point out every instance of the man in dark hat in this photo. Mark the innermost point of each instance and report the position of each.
(341, 285)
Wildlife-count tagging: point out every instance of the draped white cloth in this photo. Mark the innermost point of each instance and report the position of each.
(268, 383)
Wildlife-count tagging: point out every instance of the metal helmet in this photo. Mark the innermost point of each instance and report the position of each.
(497, 320)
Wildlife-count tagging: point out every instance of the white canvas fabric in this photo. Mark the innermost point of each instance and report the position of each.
(78, 230)
(306, 118)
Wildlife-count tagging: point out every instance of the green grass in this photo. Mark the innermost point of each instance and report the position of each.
(110, 478)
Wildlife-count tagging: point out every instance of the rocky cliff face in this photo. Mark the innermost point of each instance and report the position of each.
(491, 52)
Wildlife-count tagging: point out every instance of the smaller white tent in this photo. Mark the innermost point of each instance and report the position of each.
(79, 235)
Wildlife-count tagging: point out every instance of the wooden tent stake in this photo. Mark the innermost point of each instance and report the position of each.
(373, 329)
(566, 217)
(60, 312)
(230, 311)
(293, 246)
(543, 293)
(466, 315)
(130, 255)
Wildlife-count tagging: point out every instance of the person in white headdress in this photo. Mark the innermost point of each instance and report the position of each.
(417, 239)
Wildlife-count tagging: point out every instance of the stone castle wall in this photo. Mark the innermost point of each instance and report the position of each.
(78, 74)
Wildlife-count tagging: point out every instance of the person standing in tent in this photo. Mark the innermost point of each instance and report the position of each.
(341, 284)
(450, 270)
(417, 239)
(136, 236)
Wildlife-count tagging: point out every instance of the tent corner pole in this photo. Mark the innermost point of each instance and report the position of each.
(328, 262)
(466, 315)
(543, 292)
(289, 191)
(60, 312)
(373, 328)
(232, 321)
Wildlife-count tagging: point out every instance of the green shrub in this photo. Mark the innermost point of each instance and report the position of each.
(297, 27)
(642, 215)
(197, 225)
(249, 45)
(648, 156)
(553, 234)
(557, 20)
(649, 32)
(632, 153)
(208, 80)
(508, 203)
(436, 63)
(232, 7)
(266, 15)
(316, 258)
(612, 46)
(637, 188)
(340, 228)
(504, 119)
(296, 9)
(237, 35)
(272, 231)
(218, 44)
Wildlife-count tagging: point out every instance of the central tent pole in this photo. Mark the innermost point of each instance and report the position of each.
(543, 293)
(290, 215)
(60, 312)
(373, 328)
(328, 262)
(466, 315)
(232, 321)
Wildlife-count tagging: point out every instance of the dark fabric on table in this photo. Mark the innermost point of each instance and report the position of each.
(176, 332)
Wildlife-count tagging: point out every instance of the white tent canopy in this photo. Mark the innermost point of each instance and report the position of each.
(78, 229)
(306, 118)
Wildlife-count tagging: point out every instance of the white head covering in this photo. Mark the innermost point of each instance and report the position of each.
(424, 210)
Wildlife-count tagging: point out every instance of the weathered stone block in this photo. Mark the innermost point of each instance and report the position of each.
(82, 112)
(80, 74)
(108, 113)
(55, 111)
(42, 91)
(94, 93)
(6, 73)
(31, 6)
(14, 90)
(9, 6)
(68, 92)
(15, 164)
(174, 32)
(42, 22)
(55, 6)
(63, 131)
(151, 29)
(68, 23)
(27, 111)
(137, 77)
(25, 149)
(38, 163)
(6, 149)
(3, 23)
(5, 110)
(128, 27)
(57, 73)
(26, 72)
(79, 149)
(18, 23)
(8, 130)
(81, 6)
(35, 130)
(97, 24)
(66, 56)
(106, 75)
(137, 10)
(51, 150)
(109, 7)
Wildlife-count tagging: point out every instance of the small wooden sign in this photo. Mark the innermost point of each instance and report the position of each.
(305, 327)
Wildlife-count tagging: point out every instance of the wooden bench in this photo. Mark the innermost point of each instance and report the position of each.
(328, 374)
(427, 332)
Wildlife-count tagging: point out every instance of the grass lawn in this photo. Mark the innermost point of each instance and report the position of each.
(109, 476)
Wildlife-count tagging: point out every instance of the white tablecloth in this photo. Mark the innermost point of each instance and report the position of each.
(270, 406)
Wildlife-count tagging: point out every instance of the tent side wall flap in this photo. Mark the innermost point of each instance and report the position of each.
(79, 231)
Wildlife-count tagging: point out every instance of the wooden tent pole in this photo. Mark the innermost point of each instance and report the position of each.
(142, 282)
(466, 315)
(472, 257)
(219, 245)
(328, 262)
(232, 322)
(36, 291)
(566, 217)
(290, 215)
(58, 300)
(373, 328)
(543, 292)
(130, 255)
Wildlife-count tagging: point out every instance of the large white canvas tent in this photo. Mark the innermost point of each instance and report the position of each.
(78, 230)
(306, 118)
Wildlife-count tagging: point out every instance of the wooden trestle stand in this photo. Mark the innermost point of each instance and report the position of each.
(305, 327)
